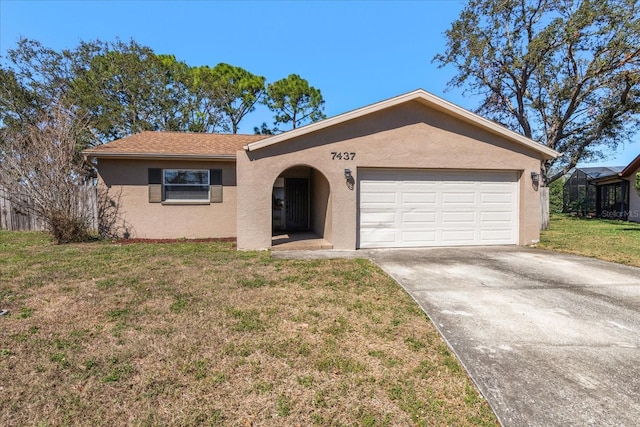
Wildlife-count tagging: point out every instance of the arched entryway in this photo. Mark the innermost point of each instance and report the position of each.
(301, 209)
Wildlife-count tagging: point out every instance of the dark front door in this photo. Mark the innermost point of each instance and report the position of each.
(297, 203)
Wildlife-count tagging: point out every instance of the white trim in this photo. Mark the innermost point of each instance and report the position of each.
(419, 95)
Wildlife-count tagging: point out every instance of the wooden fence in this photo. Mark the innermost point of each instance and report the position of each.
(13, 217)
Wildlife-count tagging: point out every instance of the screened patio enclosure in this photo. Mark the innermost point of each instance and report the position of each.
(612, 200)
(580, 192)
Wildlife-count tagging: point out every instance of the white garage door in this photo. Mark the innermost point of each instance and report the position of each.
(412, 208)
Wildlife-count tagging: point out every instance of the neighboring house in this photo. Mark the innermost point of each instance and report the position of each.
(579, 191)
(618, 195)
(632, 174)
(414, 170)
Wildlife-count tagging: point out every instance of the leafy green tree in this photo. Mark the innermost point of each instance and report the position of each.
(264, 129)
(126, 88)
(17, 104)
(563, 72)
(294, 101)
(556, 196)
(207, 113)
(234, 90)
(31, 78)
(120, 87)
(123, 87)
(178, 107)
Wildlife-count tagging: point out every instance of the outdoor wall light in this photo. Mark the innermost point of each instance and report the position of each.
(535, 177)
(347, 174)
(535, 180)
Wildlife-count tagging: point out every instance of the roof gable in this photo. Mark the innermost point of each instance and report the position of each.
(424, 98)
(631, 167)
(150, 144)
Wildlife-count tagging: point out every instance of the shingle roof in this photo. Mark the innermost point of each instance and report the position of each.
(174, 144)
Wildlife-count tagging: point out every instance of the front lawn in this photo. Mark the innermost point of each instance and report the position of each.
(609, 240)
(200, 334)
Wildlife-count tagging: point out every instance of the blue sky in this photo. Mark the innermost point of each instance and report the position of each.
(355, 52)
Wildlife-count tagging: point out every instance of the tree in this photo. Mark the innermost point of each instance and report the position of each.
(556, 196)
(41, 172)
(294, 101)
(17, 105)
(121, 87)
(207, 115)
(33, 78)
(264, 129)
(126, 88)
(563, 72)
(233, 89)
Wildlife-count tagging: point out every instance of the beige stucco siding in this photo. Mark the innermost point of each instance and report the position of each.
(127, 183)
(320, 205)
(406, 136)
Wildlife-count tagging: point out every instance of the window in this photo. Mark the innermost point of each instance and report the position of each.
(180, 186)
(188, 184)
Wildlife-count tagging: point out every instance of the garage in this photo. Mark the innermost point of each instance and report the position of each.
(401, 208)
(410, 171)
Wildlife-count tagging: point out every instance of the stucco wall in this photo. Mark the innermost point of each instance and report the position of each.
(126, 181)
(634, 199)
(321, 213)
(406, 136)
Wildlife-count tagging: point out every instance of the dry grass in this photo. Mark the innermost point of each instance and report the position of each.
(616, 241)
(200, 334)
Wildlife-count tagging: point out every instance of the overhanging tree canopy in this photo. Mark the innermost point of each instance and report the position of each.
(563, 72)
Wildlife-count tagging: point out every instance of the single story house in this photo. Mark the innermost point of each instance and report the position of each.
(410, 171)
(618, 195)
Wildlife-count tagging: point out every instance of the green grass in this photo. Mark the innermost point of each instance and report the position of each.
(201, 334)
(615, 241)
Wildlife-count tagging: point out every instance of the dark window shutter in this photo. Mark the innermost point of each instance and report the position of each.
(155, 185)
(215, 185)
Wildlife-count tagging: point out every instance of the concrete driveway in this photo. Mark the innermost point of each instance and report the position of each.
(550, 339)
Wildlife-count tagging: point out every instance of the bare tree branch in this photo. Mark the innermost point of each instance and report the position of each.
(42, 173)
(563, 72)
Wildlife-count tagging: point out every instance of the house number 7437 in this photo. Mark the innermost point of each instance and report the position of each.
(338, 155)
